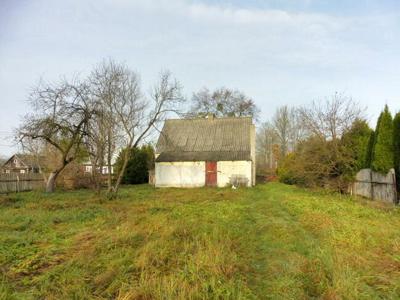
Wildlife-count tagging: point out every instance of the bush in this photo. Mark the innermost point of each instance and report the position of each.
(140, 162)
(316, 162)
(287, 172)
(356, 141)
(332, 164)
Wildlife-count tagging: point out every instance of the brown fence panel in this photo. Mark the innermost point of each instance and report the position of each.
(20, 182)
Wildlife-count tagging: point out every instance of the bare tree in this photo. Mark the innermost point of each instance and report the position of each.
(59, 118)
(283, 126)
(95, 144)
(298, 131)
(288, 128)
(124, 115)
(116, 97)
(267, 139)
(223, 102)
(323, 158)
(332, 117)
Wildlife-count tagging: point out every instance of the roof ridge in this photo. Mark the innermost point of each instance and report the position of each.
(214, 118)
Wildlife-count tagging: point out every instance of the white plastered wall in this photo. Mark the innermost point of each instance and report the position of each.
(253, 153)
(227, 169)
(180, 174)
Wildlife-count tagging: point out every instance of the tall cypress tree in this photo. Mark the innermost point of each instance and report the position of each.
(370, 149)
(382, 154)
(396, 148)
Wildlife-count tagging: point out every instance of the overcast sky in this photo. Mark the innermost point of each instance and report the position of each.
(277, 52)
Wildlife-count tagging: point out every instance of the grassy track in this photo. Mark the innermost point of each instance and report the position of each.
(269, 242)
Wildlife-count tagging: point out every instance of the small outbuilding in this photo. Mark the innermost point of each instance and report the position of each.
(206, 152)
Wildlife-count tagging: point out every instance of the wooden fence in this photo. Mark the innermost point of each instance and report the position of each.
(375, 186)
(152, 177)
(14, 182)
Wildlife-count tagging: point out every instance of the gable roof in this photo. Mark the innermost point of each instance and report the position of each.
(28, 161)
(211, 139)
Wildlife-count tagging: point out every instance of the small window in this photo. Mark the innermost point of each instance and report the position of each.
(88, 169)
(22, 171)
(105, 170)
(7, 171)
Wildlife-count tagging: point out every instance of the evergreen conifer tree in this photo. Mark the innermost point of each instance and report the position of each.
(370, 148)
(396, 148)
(382, 154)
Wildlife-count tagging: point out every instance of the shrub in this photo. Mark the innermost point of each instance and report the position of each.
(316, 162)
(287, 171)
(140, 162)
(327, 163)
(356, 141)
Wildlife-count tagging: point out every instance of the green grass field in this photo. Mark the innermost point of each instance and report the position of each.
(269, 242)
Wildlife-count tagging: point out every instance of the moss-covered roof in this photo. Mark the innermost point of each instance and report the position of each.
(205, 139)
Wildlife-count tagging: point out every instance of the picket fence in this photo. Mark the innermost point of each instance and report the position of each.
(14, 182)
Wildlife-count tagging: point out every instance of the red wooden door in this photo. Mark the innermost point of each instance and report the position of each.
(211, 173)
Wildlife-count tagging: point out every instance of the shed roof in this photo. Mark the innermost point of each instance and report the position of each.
(211, 139)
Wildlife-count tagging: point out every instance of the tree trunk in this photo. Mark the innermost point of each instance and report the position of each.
(95, 176)
(109, 175)
(51, 182)
(109, 164)
(122, 171)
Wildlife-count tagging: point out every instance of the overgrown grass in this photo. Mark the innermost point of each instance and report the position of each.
(269, 242)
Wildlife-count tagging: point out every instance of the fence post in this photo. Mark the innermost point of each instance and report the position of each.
(17, 183)
(372, 184)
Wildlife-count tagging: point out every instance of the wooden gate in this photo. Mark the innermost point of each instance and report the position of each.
(211, 173)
